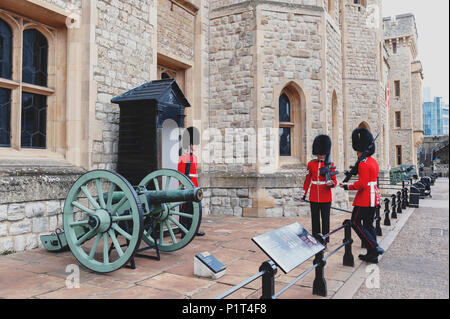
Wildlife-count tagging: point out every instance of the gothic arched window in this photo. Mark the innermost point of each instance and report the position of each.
(5, 93)
(5, 50)
(34, 106)
(286, 125)
(35, 57)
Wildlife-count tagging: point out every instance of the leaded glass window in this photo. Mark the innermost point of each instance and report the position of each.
(5, 117)
(5, 50)
(286, 125)
(284, 108)
(35, 57)
(34, 120)
(285, 141)
(27, 78)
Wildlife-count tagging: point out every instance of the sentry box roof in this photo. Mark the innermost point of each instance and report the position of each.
(164, 91)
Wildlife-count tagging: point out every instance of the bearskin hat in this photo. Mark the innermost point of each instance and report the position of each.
(191, 136)
(321, 145)
(361, 139)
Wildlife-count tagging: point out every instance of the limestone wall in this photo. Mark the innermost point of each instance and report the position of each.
(123, 35)
(32, 195)
(401, 71)
(175, 29)
(334, 113)
(363, 80)
(232, 87)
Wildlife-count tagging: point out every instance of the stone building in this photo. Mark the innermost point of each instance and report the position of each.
(263, 79)
(405, 81)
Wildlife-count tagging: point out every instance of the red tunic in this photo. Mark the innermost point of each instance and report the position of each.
(368, 194)
(193, 174)
(319, 192)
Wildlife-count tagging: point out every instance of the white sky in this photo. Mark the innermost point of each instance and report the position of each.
(432, 18)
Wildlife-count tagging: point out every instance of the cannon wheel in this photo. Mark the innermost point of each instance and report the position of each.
(169, 179)
(104, 219)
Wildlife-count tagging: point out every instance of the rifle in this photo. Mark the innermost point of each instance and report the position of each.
(326, 170)
(354, 169)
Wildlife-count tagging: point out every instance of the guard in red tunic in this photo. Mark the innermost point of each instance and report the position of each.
(320, 197)
(187, 164)
(368, 196)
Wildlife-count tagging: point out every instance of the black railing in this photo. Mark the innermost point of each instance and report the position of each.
(268, 269)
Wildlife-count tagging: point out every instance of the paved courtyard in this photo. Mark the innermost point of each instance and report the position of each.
(41, 274)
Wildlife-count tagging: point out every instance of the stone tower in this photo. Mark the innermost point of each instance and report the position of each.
(364, 75)
(263, 53)
(405, 82)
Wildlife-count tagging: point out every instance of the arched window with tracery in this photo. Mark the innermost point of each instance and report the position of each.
(34, 106)
(286, 125)
(291, 117)
(5, 73)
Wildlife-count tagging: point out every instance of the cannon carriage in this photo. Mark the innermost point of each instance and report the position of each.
(105, 218)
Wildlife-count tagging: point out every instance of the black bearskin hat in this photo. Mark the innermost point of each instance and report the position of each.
(321, 145)
(191, 136)
(361, 139)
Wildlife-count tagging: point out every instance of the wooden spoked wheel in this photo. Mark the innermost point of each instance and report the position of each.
(171, 233)
(103, 203)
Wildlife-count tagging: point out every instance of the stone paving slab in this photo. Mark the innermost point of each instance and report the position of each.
(416, 265)
(41, 274)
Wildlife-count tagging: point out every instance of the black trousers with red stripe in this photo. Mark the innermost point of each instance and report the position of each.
(362, 224)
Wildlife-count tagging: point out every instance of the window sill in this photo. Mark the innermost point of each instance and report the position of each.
(290, 163)
(10, 154)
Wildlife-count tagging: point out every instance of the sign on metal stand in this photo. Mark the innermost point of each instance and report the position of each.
(288, 246)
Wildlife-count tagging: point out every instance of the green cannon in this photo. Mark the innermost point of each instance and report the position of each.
(105, 218)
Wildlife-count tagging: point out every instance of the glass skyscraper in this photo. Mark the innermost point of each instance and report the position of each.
(435, 117)
(445, 120)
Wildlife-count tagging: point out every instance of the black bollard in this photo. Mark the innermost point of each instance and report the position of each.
(393, 207)
(320, 285)
(405, 198)
(387, 221)
(378, 221)
(268, 279)
(348, 255)
(399, 202)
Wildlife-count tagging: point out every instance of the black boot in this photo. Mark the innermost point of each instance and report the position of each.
(372, 257)
(363, 257)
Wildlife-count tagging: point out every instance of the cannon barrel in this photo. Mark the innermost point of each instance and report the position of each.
(191, 195)
(170, 196)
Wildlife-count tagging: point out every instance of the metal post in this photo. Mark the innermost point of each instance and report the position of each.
(348, 259)
(320, 285)
(387, 221)
(268, 279)
(394, 207)
(378, 221)
(399, 202)
(405, 198)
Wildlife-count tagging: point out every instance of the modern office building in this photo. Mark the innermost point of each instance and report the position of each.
(445, 120)
(435, 117)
